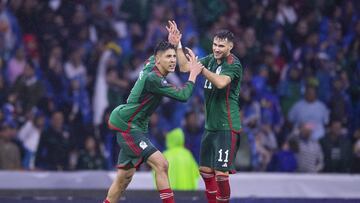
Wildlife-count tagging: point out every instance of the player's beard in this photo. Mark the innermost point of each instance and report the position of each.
(171, 68)
(219, 55)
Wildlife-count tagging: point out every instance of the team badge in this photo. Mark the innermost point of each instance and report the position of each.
(218, 70)
(143, 145)
(164, 82)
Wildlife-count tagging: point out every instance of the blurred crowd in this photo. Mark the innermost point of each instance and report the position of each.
(64, 65)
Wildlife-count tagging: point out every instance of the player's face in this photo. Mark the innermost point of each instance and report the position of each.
(166, 60)
(221, 48)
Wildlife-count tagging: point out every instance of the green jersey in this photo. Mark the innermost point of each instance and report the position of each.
(222, 110)
(144, 98)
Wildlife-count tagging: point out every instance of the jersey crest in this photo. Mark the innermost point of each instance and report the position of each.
(164, 82)
(218, 70)
(143, 145)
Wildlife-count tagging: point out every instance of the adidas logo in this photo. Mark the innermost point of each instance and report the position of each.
(224, 165)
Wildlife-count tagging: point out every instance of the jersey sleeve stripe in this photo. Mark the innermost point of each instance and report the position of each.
(232, 149)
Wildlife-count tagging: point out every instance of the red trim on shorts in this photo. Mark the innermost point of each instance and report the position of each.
(232, 149)
(228, 109)
(128, 166)
(138, 163)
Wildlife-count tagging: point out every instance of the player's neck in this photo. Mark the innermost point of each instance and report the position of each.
(220, 60)
(162, 71)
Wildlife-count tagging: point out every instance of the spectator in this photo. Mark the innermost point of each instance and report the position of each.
(157, 131)
(262, 154)
(90, 158)
(356, 152)
(3, 90)
(55, 79)
(183, 169)
(10, 36)
(267, 138)
(337, 149)
(309, 157)
(193, 131)
(117, 88)
(251, 110)
(9, 152)
(74, 67)
(290, 89)
(339, 103)
(28, 88)
(310, 109)
(284, 160)
(100, 101)
(54, 147)
(29, 135)
(16, 65)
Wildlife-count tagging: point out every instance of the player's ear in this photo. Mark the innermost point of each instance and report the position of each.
(157, 58)
(231, 45)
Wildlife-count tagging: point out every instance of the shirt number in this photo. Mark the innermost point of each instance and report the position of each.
(208, 84)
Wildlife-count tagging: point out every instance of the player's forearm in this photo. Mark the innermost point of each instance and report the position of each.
(220, 81)
(182, 94)
(192, 77)
(182, 60)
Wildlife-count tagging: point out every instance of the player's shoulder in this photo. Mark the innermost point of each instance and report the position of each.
(154, 74)
(207, 57)
(149, 63)
(232, 60)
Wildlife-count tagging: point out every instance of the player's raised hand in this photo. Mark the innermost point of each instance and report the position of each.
(175, 35)
(190, 54)
(195, 66)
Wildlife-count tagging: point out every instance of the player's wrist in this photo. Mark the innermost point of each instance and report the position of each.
(179, 45)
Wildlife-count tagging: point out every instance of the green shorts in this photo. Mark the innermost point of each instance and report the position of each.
(218, 150)
(134, 149)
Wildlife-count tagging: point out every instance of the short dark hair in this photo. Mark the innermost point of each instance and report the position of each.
(225, 34)
(163, 46)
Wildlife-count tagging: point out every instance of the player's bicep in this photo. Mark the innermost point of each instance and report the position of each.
(233, 71)
(227, 79)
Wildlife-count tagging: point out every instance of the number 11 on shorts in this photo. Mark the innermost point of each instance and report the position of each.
(221, 155)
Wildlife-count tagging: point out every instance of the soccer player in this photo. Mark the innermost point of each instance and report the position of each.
(223, 73)
(131, 120)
